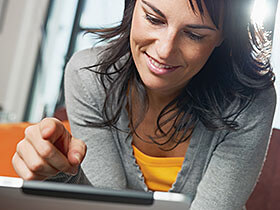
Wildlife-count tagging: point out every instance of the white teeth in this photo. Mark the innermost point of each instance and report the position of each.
(158, 65)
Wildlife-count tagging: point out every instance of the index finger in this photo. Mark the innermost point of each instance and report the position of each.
(47, 151)
(52, 129)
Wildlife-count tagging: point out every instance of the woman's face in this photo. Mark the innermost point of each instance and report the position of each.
(170, 43)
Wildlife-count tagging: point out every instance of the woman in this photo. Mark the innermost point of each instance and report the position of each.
(181, 100)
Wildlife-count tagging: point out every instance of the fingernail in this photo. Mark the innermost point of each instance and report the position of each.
(78, 157)
(72, 171)
(45, 131)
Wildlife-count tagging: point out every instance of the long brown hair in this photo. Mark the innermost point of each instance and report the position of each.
(236, 71)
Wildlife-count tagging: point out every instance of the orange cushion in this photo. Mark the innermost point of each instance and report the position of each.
(10, 135)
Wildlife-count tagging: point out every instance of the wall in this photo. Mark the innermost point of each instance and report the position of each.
(19, 43)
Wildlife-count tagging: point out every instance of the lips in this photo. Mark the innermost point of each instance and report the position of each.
(159, 68)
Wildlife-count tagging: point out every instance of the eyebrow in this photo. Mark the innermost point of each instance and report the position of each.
(154, 9)
(198, 26)
(192, 26)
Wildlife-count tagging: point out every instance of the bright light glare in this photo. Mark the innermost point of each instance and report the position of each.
(260, 12)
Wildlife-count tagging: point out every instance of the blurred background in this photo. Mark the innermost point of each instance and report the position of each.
(37, 38)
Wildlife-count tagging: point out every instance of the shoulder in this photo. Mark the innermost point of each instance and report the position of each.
(263, 105)
(255, 121)
(85, 58)
(81, 66)
(266, 97)
(81, 82)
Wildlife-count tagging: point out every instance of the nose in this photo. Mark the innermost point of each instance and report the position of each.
(166, 45)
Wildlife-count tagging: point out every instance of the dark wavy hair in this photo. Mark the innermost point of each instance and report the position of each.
(237, 71)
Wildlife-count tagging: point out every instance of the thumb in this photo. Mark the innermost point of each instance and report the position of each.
(76, 151)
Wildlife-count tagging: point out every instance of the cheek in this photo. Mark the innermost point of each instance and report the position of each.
(137, 29)
(198, 56)
(141, 33)
(136, 37)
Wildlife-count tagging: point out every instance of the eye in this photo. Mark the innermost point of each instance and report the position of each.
(153, 20)
(194, 36)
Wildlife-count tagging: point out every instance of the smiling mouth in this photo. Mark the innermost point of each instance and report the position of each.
(159, 68)
(160, 65)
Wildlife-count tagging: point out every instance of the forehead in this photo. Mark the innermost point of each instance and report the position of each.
(205, 11)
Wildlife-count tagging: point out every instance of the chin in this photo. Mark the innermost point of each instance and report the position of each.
(156, 86)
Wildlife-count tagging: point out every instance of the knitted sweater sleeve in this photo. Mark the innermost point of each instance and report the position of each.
(84, 98)
(236, 163)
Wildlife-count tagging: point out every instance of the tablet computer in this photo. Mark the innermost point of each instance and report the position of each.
(15, 194)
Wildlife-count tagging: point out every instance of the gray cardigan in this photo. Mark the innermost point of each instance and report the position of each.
(220, 168)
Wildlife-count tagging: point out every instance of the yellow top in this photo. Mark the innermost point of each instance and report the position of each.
(159, 172)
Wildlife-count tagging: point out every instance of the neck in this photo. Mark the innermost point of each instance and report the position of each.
(158, 100)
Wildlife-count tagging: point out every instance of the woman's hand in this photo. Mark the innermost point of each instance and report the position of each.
(47, 149)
